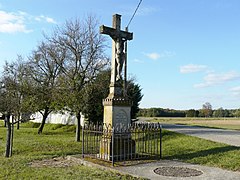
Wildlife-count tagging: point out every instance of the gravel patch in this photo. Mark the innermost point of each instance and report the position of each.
(55, 162)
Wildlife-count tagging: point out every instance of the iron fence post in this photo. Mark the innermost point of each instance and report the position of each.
(112, 147)
(160, 141)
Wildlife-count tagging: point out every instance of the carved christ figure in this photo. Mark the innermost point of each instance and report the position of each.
(120, 58)
(119, 38)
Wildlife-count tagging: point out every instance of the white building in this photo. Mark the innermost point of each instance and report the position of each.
(58, 118)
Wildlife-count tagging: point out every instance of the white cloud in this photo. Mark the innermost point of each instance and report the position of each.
(166, 54)
(12, 22)
(153, 56)
(156, 56)
(50, 20)
(143, 11)
(235, 91)
(192, 68)
(201, 85)
(46, 19)
(22, 13)
(138, 61)
(212, 79)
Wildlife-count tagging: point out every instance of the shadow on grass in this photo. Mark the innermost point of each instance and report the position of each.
(171, 134)
(154, 135)
(60, 131)
(203, 153)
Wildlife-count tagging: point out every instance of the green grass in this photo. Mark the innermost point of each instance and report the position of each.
(58, 140)
(55, 141)
(196, 150)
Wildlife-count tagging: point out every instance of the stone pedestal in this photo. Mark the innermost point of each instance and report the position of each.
(117, 111)
(122, 148)
(117, 114)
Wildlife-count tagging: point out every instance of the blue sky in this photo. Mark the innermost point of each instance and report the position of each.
(184, 53)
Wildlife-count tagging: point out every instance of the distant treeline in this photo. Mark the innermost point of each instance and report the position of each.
(160, 112)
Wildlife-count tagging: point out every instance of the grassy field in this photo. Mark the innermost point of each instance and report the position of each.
(195, 150)
(224, 123)
(58, 141)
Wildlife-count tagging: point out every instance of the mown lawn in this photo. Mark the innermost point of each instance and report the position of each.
(197, 150)
(200, 151)
(58, 140)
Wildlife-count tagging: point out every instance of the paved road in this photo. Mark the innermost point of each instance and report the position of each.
(209, 173)
(231, 137)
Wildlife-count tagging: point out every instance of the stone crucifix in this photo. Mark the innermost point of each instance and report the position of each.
(119, 38)
(117, 106)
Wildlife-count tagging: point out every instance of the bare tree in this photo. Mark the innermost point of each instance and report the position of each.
(10, 98)
(84, 58)
(44, 74)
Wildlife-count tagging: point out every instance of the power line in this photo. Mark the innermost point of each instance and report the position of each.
(134, 12)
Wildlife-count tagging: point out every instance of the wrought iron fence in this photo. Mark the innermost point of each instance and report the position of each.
(138, 141)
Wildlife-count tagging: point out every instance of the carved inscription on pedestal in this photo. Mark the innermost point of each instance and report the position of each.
(121, 117)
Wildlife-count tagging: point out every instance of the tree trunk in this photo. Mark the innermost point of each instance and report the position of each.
(12, 131)
(8, 141)
(5, 121)
(18, 124)
(18, 120)
(78, 127)
(45, 115)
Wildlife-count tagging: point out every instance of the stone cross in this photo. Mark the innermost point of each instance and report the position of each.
(119, 38)
(117, 106)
